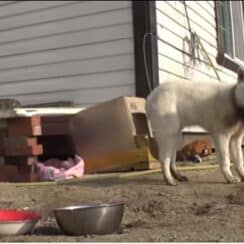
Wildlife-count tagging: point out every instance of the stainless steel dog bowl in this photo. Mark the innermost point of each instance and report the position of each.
(91, 218)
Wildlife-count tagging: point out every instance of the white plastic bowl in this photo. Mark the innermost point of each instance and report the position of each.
(17, 222)
(17, 227)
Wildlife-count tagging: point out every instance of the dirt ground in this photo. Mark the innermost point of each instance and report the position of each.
(203, 209)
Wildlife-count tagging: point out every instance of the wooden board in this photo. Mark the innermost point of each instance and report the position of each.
(137, 159)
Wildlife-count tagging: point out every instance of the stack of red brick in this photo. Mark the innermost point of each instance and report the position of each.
(25, 140)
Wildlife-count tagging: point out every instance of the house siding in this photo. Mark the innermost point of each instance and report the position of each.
(66, 50)
(172, 28)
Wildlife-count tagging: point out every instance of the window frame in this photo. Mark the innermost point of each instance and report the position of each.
(223, 58)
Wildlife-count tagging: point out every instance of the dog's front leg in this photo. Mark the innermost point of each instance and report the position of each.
(221, 142)
(177, 175)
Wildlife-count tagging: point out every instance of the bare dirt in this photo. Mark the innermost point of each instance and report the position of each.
(203, 209)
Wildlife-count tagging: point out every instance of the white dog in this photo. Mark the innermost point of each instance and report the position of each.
(217, 107)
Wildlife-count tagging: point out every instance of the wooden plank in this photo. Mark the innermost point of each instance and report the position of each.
(28, 112)
(113, 161)
(140, 158)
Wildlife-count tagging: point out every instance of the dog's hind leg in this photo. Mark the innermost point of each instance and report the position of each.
(173, 169)
(221, 142)
(166, 149)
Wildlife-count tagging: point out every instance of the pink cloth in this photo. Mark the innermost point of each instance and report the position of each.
(56, 169)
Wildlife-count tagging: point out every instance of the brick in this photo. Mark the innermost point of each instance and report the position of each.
(24, 151)
(26, 173)
(20, 160)
(39, 125)
(3, 124)
(24, 126)
(9, 173)
(3, 134)
(20, 141)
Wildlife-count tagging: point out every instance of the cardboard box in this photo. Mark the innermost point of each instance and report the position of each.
(106, 135)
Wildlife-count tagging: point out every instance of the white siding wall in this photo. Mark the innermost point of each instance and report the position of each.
(66, 50)
(172, 27)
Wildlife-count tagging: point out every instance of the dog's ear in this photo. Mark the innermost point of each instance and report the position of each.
(240, 75)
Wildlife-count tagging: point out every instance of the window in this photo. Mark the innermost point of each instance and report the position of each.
(230, 33)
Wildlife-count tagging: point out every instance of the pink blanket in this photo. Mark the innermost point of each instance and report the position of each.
(56, 169)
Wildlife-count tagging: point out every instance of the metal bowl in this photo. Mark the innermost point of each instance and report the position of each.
(90, 218)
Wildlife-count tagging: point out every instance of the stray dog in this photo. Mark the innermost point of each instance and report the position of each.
(219, 108)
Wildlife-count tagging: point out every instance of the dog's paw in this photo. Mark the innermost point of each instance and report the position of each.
(178, 176)
(172, 183)
(234, 180)
(184, 178)
(181, 178)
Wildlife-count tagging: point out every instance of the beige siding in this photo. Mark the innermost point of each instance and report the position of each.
(66, 50)
(172, 27)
